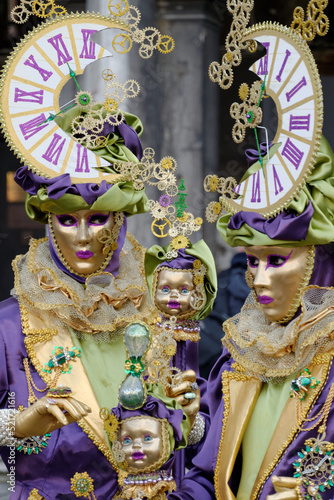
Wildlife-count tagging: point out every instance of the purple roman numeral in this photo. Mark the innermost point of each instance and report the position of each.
(33, 64)
(277, 183)
(54, 150)
(263, 64)
(23, 96)
(88, 51)
(58, 44)
(287, 55)
(292, 153)
(33, 126)
(295, 89)
(299, 122)
(256, 193)
(82, 161)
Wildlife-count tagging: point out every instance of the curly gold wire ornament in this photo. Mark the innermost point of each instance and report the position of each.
(248, 114)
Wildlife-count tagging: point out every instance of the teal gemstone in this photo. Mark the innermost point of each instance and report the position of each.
(332, 462)
(308, 449)
(131, 393)
(322, 488)
(328, 452)
(19, 448)
(137, 339)
(48, 435)
(44, 443)
(296, 464)
(305, 381)
(330, 483)
(317, 449)
(301, 455)
(294, 386)
(297, 474)
(61, 359)
(37, 450)
(29, 450)
(50, 363)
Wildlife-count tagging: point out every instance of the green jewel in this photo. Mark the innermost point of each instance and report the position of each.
(296, 464)
(19, 448)
(308, 449)
(29, 451)
(301, 455)
(330, 483)
(37, 450)
(297, 474)
(322, 488)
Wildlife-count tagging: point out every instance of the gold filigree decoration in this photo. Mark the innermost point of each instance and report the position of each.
(248, 114)
(148, 38)
(34, 495)
(40, 8)
(222, 73)
(110, 423)
(315, 23)
(226, 187)
(82, 485)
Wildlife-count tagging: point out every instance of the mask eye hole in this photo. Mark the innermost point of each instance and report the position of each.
(98, 219)
(252, 261)
(67, 220)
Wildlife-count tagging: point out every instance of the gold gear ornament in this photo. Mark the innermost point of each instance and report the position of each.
(124, 42)
(160, 225)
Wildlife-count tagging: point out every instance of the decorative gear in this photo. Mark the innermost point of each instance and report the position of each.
(84, 100)
(243, 91)
(122, 43)
(132, 16)
(110, 105)
(314, 466)
(82, 484)
(166, 44)
(160, 225)
(212, 211)
(19, 14)
(180, 242)
(43, 8)
(316, 22)
(107, 74)
(59, 11)
(165, 200)
(168, 163)
(130, 88)
(159, 212)
(118, 8)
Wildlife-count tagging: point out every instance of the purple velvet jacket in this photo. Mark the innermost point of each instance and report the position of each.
(232, 394)
(69, 449)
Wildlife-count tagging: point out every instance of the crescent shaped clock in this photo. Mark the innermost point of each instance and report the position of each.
(293, 82)
(31, 83)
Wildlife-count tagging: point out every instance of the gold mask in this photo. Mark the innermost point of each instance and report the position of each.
(279, 276)
(174, 289)
(141, 441)
(76, 239)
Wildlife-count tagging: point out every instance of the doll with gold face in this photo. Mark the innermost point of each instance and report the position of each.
(144, 444)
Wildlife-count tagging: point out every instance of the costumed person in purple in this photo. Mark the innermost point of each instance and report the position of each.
(271, 392)
(61, 333)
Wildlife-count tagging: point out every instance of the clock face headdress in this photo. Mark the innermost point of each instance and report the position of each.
(285, 196)
(69, 153)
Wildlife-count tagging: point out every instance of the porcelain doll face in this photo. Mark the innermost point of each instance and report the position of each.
(141, 441)
(278, 274)
(76, 236)
(174, 291)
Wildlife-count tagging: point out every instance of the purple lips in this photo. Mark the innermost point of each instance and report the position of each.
(264, 299)
(138, 455)
(84, 254)
(173, 304)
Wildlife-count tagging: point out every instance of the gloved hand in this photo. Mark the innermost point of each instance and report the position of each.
(285, 488)
(181, 388)
(47, 414)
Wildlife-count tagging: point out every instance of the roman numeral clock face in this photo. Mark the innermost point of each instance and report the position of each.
(293, 82)
(32, 80)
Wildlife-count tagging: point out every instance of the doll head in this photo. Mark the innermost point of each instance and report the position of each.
(179, 291)
(182, 283)
(143, 442)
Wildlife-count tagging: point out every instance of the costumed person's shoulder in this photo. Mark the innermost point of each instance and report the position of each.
(10, 321)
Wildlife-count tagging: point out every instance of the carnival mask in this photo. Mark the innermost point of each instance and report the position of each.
(174, 291)
(76, 236)
(279, 276)
(141, 442)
